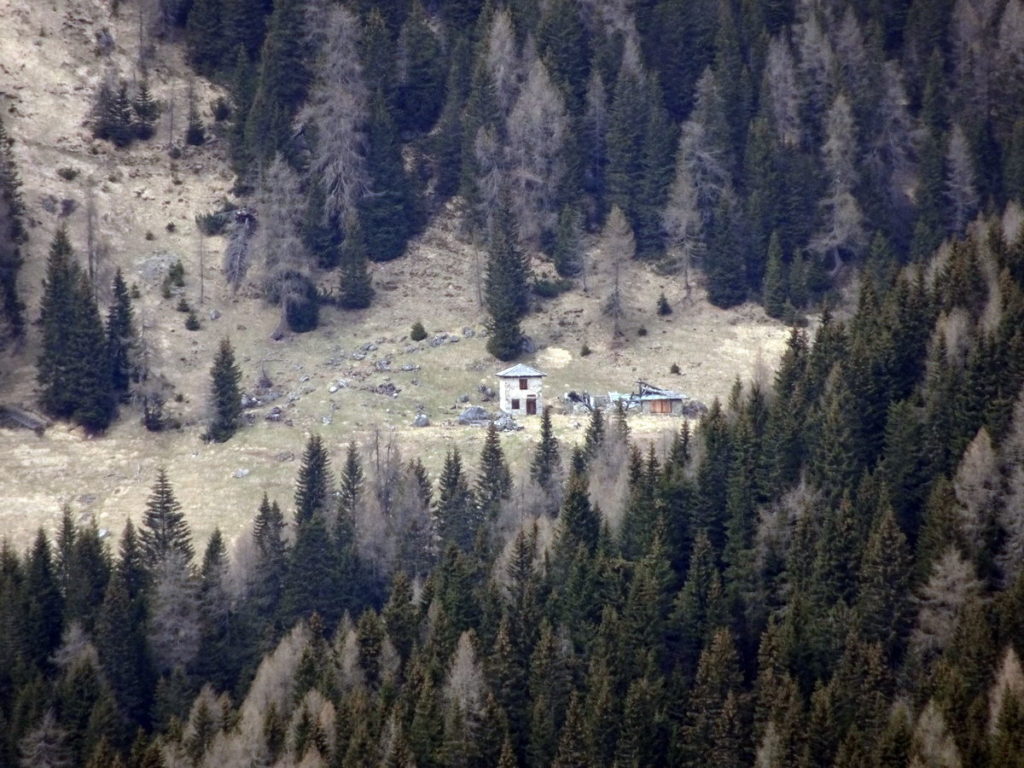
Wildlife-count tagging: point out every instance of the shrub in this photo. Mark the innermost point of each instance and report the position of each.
(150, 235)
(585, 350)
(641, 331)
(550, 289)
(215, 222)
(418, 332)
(674, 368)
(664, 308)
(183, 305)
(176, 274)
(135, 293)
(67, 173)
(221, 109)
(171, 227)
(192, 321)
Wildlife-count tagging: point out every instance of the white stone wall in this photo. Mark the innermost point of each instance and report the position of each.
(508, 390)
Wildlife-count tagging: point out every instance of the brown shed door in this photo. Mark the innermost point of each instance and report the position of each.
(531, 406)
(661, 406)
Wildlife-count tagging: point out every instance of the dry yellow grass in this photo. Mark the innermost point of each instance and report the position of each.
(47, 82)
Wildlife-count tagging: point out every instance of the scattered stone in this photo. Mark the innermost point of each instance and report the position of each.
(358, 356)
(250, 401)
(87, 499)
(304, 379)
(463, 398)
(103, 533)
(454, 339)
(387, 388)
(240, 473)
(410, 367)
(506, 423)
(368, 347)
(383, 365)
(694, 409)
(215, 314)
(487, 393)
(274, 414)
(438, 340)
(468, 332)
(421, 420)
(474, 415)
(285, 456)
(411, 348)
(325, 420)
(529, 346)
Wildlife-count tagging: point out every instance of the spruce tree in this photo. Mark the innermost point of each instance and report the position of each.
(120, 337)
(457, 520)
(546, 460)
(506, 289)
(73, 368)
(387, 212)
(494, 482)
(204, 36)
(164, 529)
(12, 234)
(146, 111)
(43, 604)
(350, 485)
(117, 118)
(195, 131)
(226, 399)
(269, 571)
(421, 90)
(773, 291)
(313, 487)
(356, 288)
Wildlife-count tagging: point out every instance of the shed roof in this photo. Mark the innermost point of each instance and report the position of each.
(519, 371)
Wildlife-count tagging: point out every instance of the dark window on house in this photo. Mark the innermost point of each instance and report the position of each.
(515, 404)
(522, 384)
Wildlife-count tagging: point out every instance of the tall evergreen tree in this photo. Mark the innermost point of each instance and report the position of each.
(12, 234)
(313, 487)
(546, 461)
(506, 289)
(387, 212)
(120, 337)
(494, 481)
(164, 528)
(225, 396)
(356, 285)
(456, 516)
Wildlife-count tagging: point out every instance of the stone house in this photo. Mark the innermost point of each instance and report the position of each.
(519, 390)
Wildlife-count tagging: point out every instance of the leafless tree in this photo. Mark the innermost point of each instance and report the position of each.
(842, 228)
(961, 191)
(337, 113)
(976, 484)
(816, 67)
(502, 61)
(1009, 682)
(285, 261)
(932, 745)
(952, 584)
(780, 83)
(537, 129)
(619, 247)
(465, 684)
(238, 252)
(174, 613)
(44, 746)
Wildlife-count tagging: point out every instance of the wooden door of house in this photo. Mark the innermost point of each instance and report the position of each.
(531, 406)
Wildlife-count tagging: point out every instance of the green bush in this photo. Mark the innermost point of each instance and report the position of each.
(550, 289)
(192, 321)
(585, 350)
(67, 173)
(418, 332)
(664, 308)
(674, 368)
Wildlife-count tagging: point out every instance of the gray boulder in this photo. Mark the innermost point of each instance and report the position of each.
(421, 420)
(474, 415)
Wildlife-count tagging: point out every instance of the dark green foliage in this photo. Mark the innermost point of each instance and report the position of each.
(12, 234)
(225, 396)
(164, 528)
(456, 515)
(356, 287)
(494, 481)
(195, 131)
(421, 90)
(192, 320)
(112, 114)
(546, 462)
(73, 369)
(205, 35)
(418, 332)
(146, 111)
(387, 213)
(282, 81)
(506, 292)
(120, 337)
(313, 487)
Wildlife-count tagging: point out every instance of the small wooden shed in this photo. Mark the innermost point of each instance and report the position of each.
(519, 390)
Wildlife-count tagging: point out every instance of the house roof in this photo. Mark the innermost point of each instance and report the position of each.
(519, 371)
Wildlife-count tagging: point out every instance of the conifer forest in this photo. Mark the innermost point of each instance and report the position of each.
(824, 570)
